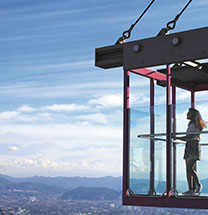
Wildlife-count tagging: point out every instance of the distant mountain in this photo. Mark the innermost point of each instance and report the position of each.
(71, 182)
(140, 186)
(205, 185)
(4, 183)
(60, 185)
(57, 185)
(92, 194)
(36, 187)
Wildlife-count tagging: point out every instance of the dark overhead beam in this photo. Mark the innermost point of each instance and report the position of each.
(161, 50)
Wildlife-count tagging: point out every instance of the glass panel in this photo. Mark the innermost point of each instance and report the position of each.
(139, 151)
(140, 165)
(160, 149)
(142, 180)
(181, 126)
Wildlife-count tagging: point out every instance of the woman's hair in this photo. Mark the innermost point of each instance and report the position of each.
(197, 119)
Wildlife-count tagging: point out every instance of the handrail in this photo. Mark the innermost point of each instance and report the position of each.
(172, 134)
(173, 141)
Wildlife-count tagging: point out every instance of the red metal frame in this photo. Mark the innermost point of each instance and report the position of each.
(193, 101)
(179, 202)
(152, 142)
(168, 133)
(174, 131)
(150, 74)
(126, 135)
(174, 82)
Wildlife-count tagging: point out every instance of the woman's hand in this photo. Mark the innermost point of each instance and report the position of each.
(183, 138)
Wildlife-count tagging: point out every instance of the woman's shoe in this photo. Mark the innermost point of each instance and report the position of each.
(199, 189)
(188, 193)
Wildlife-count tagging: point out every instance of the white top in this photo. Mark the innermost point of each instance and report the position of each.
(192, 128)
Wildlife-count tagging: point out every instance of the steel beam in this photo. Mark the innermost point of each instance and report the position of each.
(109, 57)
(155, 51)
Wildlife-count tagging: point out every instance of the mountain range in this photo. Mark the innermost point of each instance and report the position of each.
(81, 187)
(92, 194)
(66, 182)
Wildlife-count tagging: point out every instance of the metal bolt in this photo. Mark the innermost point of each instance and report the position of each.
(136, 48)
(175, 41)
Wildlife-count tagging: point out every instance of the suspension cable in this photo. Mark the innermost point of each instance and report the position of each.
(127, 33)
(171, 25)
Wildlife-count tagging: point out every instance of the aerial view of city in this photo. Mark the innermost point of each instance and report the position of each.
(45, 196)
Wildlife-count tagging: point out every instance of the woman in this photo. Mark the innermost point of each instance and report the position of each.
(193, 151)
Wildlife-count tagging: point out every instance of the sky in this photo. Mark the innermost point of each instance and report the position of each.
(59, 114)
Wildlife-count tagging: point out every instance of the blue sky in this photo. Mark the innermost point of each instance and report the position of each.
(59, 114)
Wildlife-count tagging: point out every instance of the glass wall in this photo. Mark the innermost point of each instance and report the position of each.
(149, 177)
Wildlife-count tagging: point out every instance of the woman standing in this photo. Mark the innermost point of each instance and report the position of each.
(193, 151)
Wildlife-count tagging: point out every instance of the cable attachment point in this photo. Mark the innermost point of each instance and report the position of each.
(121, 40)
(127, 33)
(171, 25)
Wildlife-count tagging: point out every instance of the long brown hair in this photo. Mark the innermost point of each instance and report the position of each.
(197, 119)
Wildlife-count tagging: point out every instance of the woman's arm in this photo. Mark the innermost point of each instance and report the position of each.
(184, 138)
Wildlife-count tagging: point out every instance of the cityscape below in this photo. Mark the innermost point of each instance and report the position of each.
(71, 196)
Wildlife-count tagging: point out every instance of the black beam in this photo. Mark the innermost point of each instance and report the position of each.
(155, 51)
(109, 57)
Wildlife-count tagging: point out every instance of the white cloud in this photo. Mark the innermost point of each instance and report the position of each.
(30, 89)
(138, 99)
(13, 148)
(95, 118)
(64, 136)
(49, 113)
(94, 162)
(64, 107)
(26, 108)
(201, 96)
(108, 101)
(44, 115)
(23, 117)
(8, 115)
(203, 110)
(183, 95)
(61, 66)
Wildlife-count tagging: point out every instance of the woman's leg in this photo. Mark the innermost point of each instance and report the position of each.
(189, 175)
(192, 164)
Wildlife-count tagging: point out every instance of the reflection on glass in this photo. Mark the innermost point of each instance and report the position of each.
(141, 181)
(139, 152)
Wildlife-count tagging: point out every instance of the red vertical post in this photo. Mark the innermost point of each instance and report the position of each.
(126, 112)
(174, 131)
(168, 132)
(152, 142)
(193, 101)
